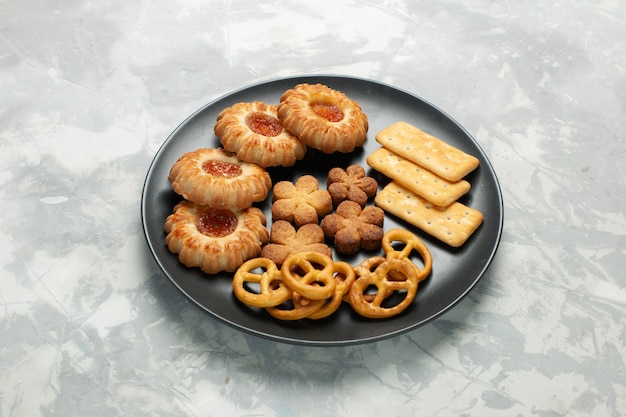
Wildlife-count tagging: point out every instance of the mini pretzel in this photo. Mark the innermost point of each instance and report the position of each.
(366, 267)
(344, 278)
(309, 274)
(272, 291)
(411, 242)
(384, 284)
(297, 308)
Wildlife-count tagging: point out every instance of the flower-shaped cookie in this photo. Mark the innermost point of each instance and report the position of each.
(353, 228)
(285, 240)
(300, 203)
(351, 184)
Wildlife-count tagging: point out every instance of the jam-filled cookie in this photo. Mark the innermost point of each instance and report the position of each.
(215, 239)
(253, 132)
(323, 118)
(217, 178)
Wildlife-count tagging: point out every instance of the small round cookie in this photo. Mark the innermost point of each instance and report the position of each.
(217, 178)
(215, 239)
(323, 118)
(254, 133)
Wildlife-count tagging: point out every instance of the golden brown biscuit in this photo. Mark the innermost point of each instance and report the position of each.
(453, 224)
(215, 239)
(217, 178)
(300, 203)
(353, 228)
(253, 132)
(428, 151)
(285, 240)
(323, 118)
(351, 184)
(421, 181)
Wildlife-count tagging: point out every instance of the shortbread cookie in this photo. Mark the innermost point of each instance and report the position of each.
(352, 228)
(285, 240)
(428, 151)
(452, 225)
(421, 181)
(351, 184)
(300, 203)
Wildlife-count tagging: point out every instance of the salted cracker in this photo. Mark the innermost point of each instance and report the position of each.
(426, 150)
(421, 181)
(453, 224)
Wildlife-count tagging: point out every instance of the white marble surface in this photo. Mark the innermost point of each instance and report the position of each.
(89, 91)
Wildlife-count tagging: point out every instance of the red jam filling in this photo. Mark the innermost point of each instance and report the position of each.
(221, 168)
(328, 111)
(264, 124)
(217, 222)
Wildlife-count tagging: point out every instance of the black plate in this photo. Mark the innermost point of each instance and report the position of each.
(455, 271)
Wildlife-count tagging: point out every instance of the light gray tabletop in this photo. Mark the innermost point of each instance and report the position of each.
(90, 325)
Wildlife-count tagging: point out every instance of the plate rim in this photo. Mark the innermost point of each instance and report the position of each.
(308, 342)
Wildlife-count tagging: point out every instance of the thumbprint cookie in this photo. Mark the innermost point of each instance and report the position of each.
(253, 132)
(215, 239)
(217, 178)
(323, 118)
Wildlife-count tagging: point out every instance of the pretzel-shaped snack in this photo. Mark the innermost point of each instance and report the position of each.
(309, 274)
(366, 267)
(297, 308)
(411, 243)
(344, 277)
(272, 291)
(385, 286)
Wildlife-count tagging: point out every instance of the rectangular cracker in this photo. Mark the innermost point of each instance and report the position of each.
(426, 150)
(453, 224)
(421, 181)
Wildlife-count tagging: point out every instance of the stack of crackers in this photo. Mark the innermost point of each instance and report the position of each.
(426, 182)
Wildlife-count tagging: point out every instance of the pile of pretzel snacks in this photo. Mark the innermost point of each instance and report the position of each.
(311, 285)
